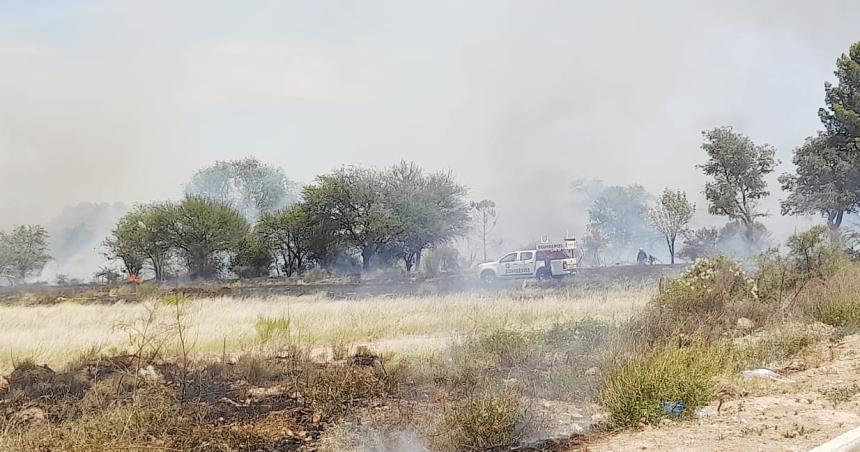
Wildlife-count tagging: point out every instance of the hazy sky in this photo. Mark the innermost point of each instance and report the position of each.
(121, 101)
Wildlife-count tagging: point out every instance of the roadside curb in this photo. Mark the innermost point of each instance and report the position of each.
(843, 443)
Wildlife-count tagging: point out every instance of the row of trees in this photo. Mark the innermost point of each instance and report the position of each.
(826, 182)
(377, 216)
(23, 252)
(623, 217)
(249, 217)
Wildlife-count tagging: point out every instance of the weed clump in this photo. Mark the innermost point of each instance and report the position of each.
(775, 348)
(707, 287)
(635, 388)
(483, 422)
(843, 311)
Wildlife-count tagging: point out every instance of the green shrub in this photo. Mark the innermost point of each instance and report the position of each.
(707, 287)
(776, 348)
(174, 299)
(841, 311)
(841, 394)
(633, 390)
(269, 329)
(504, 347)
(483, 422)
(813, 253)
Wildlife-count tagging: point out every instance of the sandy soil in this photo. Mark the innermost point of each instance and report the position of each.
(791, 415)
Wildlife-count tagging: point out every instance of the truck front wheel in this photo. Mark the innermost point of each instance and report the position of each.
(488, 276)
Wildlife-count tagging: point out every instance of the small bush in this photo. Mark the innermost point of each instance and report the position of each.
(707, 287)
(839, 312)
(776, 348)
(174, 299)
(844, 331)
(842, 394)
(504, 347)
(483, 422)
(334, 390)
(269, 329)
(633, 390)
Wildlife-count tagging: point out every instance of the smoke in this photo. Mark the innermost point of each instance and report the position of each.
(76, 237)
(122, 101)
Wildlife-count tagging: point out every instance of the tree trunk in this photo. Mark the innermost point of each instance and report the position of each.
(484, 239)
(158, 268)
(366, 255)
(418, 260)
(672, 252)
(834, 220)
(407, 259)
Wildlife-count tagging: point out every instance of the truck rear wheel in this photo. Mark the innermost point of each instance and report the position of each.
(543, 273)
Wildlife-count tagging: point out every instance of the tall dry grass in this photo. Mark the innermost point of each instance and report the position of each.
(56, 334)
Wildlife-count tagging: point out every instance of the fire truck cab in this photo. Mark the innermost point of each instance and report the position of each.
(549, 259)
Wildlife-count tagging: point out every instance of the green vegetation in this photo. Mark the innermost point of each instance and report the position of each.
(482, 422)
(841, 312)
(636, 386)
(23, 252)
(737, 168)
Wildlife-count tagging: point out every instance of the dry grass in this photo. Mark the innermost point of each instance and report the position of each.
(57, 334)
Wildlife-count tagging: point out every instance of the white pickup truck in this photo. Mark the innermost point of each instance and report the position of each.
(549, 259)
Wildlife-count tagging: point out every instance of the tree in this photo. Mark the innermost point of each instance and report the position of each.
(485, 217)
(739, 240)
(23, 252)
(699, 243)
(141, 238)
(671, 216)
(841, 118)
(289, 235)
(737, 167)
(593, 243)
(252, 187)
(252, 258)
(351, 200)
(430, 208)
(203, 230)
(619, 217)
(826, 182)
(108, 275)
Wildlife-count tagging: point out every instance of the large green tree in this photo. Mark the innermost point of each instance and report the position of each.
(204, 230)
(23, 252)
(142, 238)
(351, 201)
(826, 181)
(252, 257)
(618, 216)
(841, 117)
(252, 187)
(737, 168)
(430, 208)
(289, 234)
(671, 216)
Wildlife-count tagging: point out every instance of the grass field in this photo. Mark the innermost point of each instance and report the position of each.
(56, 334)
